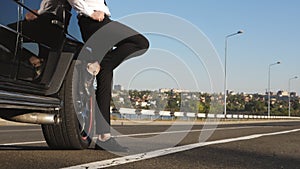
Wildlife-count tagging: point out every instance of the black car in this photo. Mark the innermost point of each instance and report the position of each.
(52, 90)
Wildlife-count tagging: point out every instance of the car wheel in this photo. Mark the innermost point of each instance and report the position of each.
(75, 131)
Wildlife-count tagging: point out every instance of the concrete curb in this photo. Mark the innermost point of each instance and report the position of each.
(198, 122)
(165, 122)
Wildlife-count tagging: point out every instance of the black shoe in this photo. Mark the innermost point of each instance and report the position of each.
(110, 145)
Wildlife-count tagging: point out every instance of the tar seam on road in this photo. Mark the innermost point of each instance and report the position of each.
(185, 131)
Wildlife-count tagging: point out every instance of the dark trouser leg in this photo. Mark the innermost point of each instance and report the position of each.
(103, 97)
(104, 79)
(133, 46)
(126, 48)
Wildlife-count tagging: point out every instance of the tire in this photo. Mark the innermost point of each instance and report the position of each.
(75, 131)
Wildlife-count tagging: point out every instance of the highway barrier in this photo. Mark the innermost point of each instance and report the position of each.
(127, 113)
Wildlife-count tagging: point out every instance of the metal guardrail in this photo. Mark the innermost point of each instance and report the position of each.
(127, 112)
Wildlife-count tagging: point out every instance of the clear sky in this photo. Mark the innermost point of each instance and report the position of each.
(270, 35)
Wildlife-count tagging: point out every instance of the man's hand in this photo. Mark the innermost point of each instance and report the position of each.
(93, 68)
(30, 16)
(98, 16)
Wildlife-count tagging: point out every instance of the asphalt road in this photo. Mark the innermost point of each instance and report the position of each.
(268, 145)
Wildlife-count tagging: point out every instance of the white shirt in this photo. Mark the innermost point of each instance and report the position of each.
(50, 6)
(88, 7)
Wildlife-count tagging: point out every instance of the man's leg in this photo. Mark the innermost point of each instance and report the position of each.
(130, 46)
(104, 79)
(103, 97)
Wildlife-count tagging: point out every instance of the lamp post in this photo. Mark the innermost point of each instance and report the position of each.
(290, 94)
(225, 67)
(269, 81)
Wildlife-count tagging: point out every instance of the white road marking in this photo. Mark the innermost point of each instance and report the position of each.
(23, 143)
(166, 151)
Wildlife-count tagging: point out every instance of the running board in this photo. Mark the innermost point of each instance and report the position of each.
(14, 100)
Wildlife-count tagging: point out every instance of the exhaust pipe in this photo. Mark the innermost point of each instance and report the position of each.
(36, 118)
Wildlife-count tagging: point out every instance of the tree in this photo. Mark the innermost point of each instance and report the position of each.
(256, 106)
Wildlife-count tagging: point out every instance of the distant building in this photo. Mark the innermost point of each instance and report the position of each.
(231, 93)
(282, 93)
(163, 90)
(271, 93)
(118, 87)
(293, 94)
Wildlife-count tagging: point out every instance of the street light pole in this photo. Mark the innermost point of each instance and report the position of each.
(290, 94)
(225, 67)
(269, 84)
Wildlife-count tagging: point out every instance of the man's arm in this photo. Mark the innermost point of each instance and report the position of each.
(31, 16)
(81, 7)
